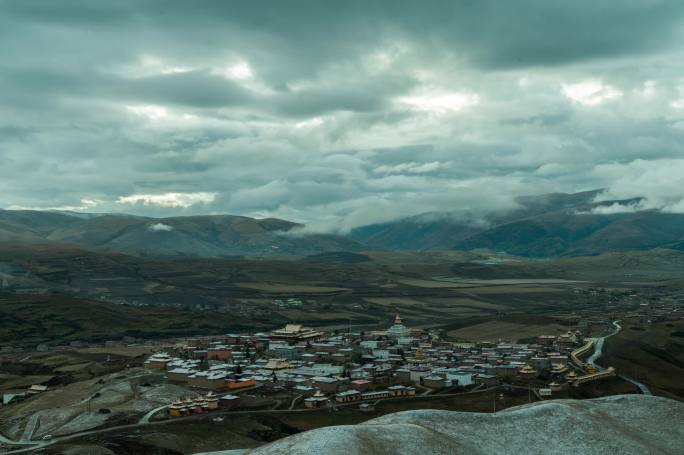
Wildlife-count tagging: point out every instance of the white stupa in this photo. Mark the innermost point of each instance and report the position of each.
(398, 330)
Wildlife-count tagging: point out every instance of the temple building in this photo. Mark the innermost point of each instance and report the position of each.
(294, 333)
(418, 360)
(527, 372)
(318, 400)
(398, 330)
(158, 361)
(212, 401)
(177, 409)
(557, 368)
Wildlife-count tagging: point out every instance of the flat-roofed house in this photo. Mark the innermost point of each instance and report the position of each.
(180, 374)
(241, 383)
(219, 353)
(434, 382)
(213, 380)
(229, 402)
(326, 384)
(402, 391)
(277, 364)
(347, 396)
(157, 361)
(36, 389)
(360, 384)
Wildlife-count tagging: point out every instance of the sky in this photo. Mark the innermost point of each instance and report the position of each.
(338, 114)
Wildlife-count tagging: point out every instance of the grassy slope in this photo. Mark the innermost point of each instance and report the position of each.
(28, 320)
(653, 356)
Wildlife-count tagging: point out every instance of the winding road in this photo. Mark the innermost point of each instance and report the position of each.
(598, 351)
(146, 417)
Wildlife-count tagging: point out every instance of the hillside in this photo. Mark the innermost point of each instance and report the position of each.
(31, 225)
(543, 226)
(222, 235)
(565, 233)
(58, 319)
(422, 233)
(550, 225)
(625, 424)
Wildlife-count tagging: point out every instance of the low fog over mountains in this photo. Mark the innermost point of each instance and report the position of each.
(548, 225)
(542, 226)
(222, 235)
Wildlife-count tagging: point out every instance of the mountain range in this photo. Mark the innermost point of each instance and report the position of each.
(550, 225)
(220, 235)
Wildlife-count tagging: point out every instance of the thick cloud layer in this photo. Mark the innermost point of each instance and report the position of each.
(338, 113)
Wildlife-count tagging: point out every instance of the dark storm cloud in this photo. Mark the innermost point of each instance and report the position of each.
(368, 95)
(542, 32)
(541, 120)
(195, 89)
(192, 89)
(309, 33)
(340, 113)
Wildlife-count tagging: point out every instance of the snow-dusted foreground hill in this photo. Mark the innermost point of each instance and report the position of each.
(626, 424)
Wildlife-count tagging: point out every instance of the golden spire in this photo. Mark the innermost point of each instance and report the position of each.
(397, 320)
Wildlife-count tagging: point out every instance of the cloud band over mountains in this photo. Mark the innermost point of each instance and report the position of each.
(341, 113)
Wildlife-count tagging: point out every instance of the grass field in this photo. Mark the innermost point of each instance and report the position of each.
(432, 283)
(496, 282)
(290, 288)
(124, 351)
(652, 354)
(494, 330)
(30, 320)
(14, 381)
(96, 296)
(514, 289)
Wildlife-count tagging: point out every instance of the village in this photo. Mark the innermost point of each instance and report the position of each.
(329, 369)
(65, 391)
(341, 366)
(325, 369)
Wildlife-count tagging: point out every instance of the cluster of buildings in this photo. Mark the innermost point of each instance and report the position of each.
(202, 404)
(644, 307)
(362, 366)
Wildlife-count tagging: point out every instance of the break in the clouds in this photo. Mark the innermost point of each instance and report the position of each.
(338, 113)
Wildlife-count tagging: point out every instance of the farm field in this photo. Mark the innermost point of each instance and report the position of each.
(60, 296)
(289, 288)
(494, 330)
